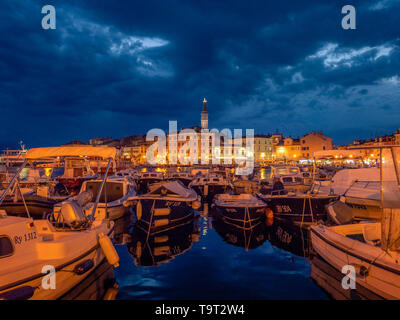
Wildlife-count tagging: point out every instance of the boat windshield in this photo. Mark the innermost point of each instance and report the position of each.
(112, 190)
(391, 177)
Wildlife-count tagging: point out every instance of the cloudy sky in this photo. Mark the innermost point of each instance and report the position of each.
(117, 68)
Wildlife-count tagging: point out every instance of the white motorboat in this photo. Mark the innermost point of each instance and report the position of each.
(43, 260)
(372, 249)
(292, 178)
(115, 192)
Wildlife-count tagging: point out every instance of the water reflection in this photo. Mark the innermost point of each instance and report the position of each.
(290, 237)
(330, 279)
(151, 249)
(122, 228)
(99, 285)
(248, 239)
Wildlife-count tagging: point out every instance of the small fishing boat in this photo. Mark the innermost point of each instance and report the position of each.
(168, 205)
(184, 177)
(116, 190)
(298, 208)
(244, 210)
(151, 249)
(292, 178)
(207, 186)
(148, 181)
(69, 247)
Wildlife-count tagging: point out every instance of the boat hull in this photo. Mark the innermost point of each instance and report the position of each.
(300, 209)
(162, 214)
(243, 217)
(38, 206)
(208, 192)
(382, 278)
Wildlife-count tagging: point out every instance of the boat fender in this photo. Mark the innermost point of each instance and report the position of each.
(111, 293)
(83, 267)
(139, 211)
(109, 250)
(269, 213)
(196, 205)
(138, 249)
(127, 204)
(20, 293)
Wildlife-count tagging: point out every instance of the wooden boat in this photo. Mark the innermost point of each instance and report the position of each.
(207, 186)
(147, 179)
(244, 210)
(298, 208)
(184, 177)
(169, 204)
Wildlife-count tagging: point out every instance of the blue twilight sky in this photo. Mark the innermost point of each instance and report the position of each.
(117, 68)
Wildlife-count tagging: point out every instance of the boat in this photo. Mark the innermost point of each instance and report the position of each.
(44, 259)
(292, 178)
(184, 177)
(115, 191)
(245, 238)
(39, 203)
(298, 207)
(151, 249)
(244, 210)
(209, 185)
(371, 248)
(148, 181)
(169, 205)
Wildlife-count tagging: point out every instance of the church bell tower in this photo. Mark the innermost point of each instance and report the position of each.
(204, 115)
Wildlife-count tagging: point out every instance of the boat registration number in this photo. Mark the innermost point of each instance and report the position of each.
(25, 238)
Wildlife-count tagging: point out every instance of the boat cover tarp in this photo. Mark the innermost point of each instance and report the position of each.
(172, 188)
(76, 151)
(343, 179)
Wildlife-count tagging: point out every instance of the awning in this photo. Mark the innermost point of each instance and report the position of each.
(337, 154)
(77, 151)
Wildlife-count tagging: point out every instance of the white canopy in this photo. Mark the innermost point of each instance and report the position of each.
(76, 151)
(337, 154)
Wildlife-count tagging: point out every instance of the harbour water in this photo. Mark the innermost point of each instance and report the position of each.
(208, 259)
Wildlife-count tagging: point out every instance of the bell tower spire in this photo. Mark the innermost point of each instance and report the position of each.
(204, 115)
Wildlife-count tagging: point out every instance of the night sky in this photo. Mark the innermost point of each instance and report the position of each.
(117, 68)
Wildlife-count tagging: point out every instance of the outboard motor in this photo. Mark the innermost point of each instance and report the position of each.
(71, 216)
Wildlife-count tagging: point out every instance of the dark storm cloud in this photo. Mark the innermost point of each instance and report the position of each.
(115, 68)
